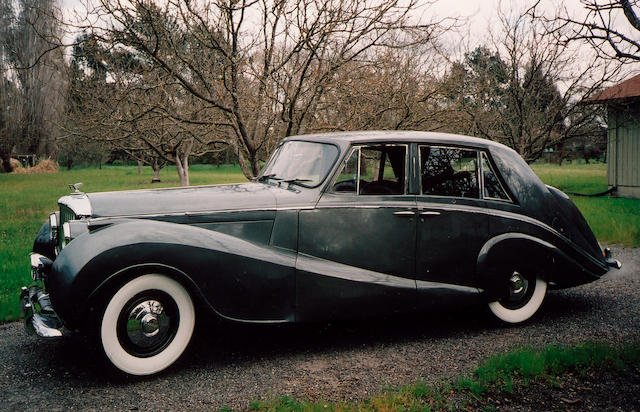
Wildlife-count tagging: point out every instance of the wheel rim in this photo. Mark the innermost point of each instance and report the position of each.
(519, 293)
(148, 323)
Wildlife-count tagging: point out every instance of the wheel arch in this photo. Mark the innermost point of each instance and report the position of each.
(503, 254)
(101, 294)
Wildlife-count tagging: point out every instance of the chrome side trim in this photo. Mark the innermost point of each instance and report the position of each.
(78, 202)
(425, 285)
(511, 235)
(325, 267)
(200, 213)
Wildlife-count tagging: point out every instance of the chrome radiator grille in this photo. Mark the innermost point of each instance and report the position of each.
(66, 215)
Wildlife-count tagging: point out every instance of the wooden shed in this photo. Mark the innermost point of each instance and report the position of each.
(623, 136)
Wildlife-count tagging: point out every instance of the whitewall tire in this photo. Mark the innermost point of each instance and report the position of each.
(522, 301)
(147, 324)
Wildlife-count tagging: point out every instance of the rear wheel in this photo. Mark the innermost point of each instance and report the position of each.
(522, 300)
(147, 324)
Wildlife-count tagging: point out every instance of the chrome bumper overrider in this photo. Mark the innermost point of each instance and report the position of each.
(39, 317)
(609, 260)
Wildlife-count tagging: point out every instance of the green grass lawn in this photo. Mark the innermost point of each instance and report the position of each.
(613, 220)
(27, 200)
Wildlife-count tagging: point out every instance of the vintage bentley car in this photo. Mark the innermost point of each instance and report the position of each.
(336, 226)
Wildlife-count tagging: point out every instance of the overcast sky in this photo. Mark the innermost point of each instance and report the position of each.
(479, 15)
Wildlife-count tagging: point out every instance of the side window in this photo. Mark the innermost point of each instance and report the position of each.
(492, 187)
(449, 172)
(374, 170)
(346, 181)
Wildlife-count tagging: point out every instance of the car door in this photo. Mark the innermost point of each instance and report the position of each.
(357, 246)
(452, 223)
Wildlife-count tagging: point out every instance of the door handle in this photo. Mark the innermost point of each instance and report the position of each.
(429, 213)
(405, 213)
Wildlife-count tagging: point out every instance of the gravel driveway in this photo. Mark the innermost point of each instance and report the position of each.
(237, 364)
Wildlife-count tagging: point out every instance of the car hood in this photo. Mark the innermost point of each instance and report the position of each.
(182, 200)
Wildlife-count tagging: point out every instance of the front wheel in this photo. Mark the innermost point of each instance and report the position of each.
(147, 324)
(522, 300)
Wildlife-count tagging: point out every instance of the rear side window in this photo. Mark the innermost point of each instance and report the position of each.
(492, 187)
(449, 172)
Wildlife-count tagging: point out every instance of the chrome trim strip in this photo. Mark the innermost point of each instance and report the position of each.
(496, 239)
(197, 213)
(425, 285)
(325, 267)
(407, 213)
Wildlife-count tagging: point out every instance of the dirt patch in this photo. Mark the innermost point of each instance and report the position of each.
(589, 390)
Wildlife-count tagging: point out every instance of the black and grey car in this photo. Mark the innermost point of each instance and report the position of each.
(337, 226)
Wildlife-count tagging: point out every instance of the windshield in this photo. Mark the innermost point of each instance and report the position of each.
(303, 163)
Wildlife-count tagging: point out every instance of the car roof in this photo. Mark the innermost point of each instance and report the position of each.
(380, 136)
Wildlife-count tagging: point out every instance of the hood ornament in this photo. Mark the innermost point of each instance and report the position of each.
(76, 188)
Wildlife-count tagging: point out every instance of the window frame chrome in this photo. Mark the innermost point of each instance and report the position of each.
(493, 169)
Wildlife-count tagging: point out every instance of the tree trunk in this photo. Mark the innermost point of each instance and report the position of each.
(6, 162)
(183, 169)
(182, 162)
(244, 165)
(156, 170)
(140, 164)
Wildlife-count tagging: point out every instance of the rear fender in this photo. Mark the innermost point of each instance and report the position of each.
(509, 252)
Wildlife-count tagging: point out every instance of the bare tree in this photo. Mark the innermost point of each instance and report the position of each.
(610, 27)
(259, 69)
(33, 75)
(393, 90)
(526, 89)
(131, 105)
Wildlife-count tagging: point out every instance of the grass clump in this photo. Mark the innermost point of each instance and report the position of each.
(503, 373)
(499, 371)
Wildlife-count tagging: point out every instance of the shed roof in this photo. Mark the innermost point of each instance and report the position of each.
(628, 89)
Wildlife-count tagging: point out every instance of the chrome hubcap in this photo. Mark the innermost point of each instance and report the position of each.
(150, 325)
(147, 323)
(517, 283)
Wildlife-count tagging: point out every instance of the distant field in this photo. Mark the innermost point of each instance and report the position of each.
(27, 200)
(613, 220)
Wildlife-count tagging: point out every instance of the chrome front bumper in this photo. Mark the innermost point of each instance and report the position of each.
(39, 316)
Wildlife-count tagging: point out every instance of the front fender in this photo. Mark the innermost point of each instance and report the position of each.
(239, 279)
